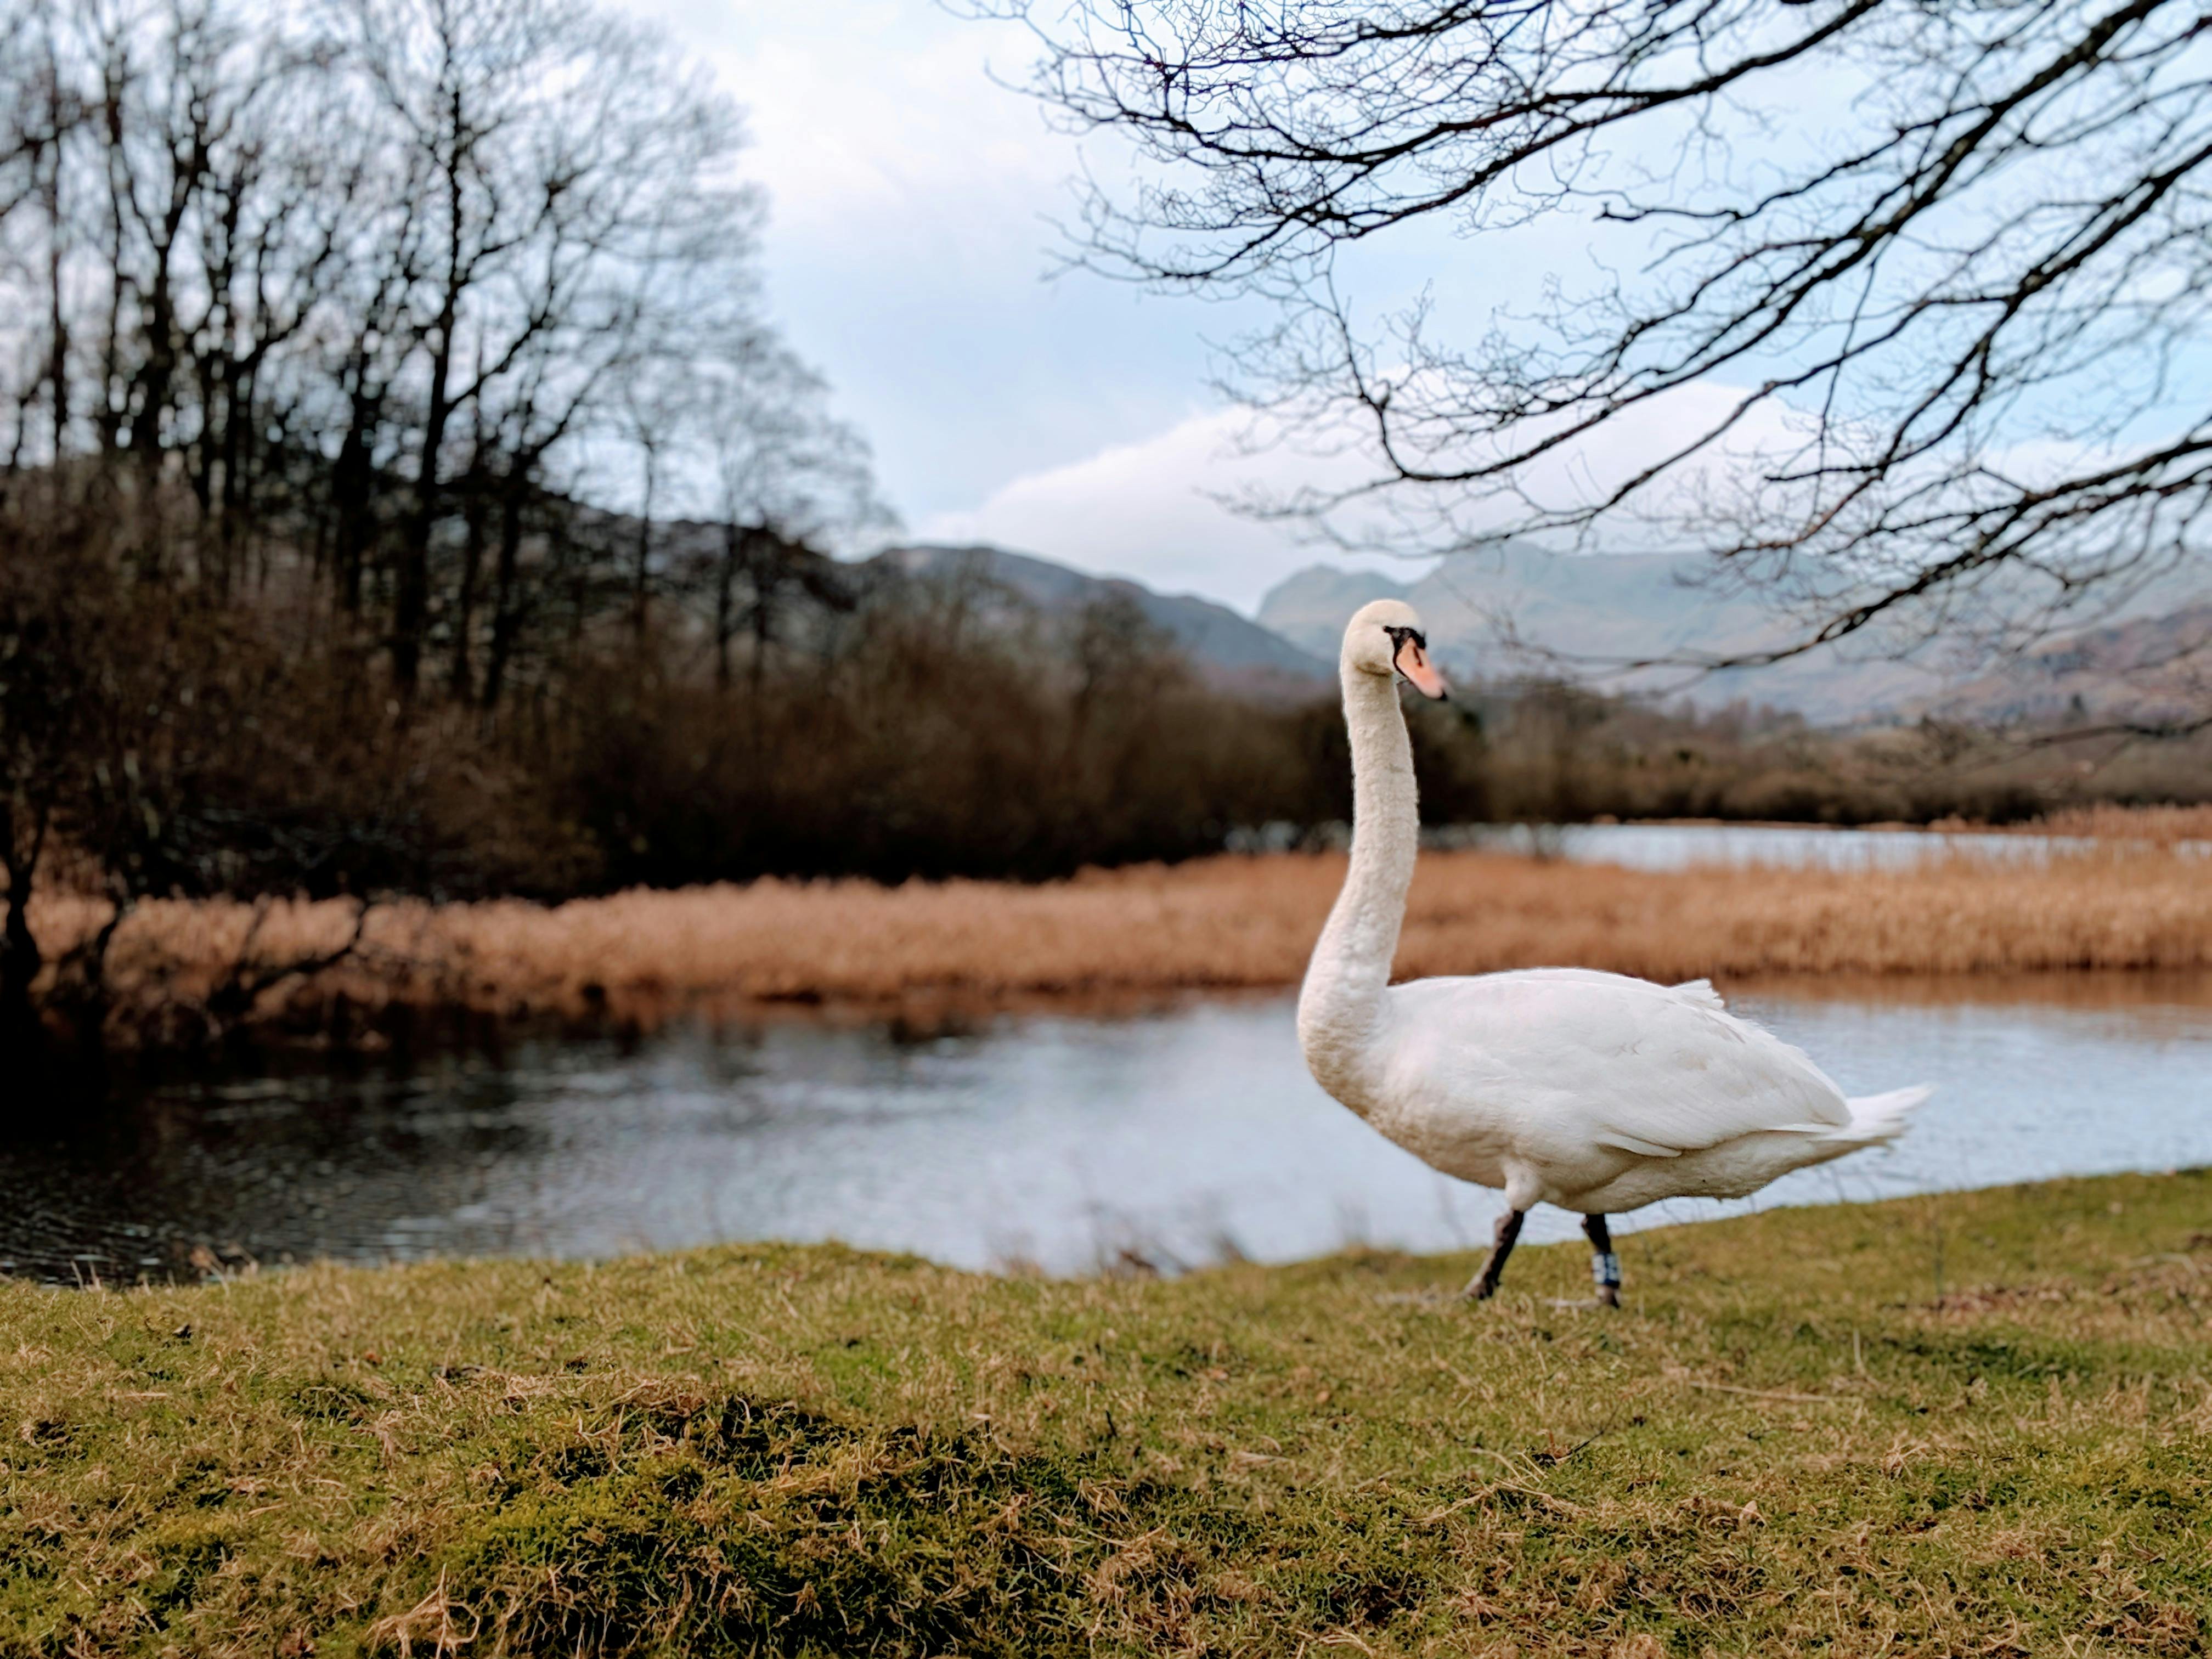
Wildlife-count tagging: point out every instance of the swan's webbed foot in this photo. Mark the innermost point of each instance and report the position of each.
(1484, 1285)
(1605, 1266)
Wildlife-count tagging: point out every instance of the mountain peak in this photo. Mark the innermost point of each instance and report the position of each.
(1225, 647)
(1309, 609)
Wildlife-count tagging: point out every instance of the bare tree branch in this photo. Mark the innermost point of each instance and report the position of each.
(1932, 349)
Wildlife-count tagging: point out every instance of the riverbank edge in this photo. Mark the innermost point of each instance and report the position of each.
(1790, 1441)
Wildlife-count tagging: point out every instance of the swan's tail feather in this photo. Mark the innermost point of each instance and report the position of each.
(1878, 1118)
(1700, 993)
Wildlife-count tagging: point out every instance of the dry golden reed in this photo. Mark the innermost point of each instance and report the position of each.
(2159, 826)
(1222, 922)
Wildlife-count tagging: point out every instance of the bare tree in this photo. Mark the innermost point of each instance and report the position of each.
(570, 164)
(1917, 289)
(44, 111)
(47, 666)
(655, 403)
(788, 482)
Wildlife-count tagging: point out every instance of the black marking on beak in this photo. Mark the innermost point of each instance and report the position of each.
(1399, 639)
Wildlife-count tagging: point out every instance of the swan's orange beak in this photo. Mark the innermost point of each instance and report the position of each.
(1413, 666)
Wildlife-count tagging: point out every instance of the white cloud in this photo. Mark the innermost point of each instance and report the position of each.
(907, 236)
(1146, 510)
(907, 240)
(870, 114)
(1150, 509)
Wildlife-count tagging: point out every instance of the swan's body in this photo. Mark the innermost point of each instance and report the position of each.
(1600, 1093)
(1596, 1092)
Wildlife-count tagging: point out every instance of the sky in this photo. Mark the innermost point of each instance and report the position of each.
(909, 241)
(908, 254)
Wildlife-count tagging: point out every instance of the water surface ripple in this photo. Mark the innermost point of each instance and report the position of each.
(1176, 1137)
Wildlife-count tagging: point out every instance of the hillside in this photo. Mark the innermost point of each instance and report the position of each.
(2156, 669)
(1227, 648)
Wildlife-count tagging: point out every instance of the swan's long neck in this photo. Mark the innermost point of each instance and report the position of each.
(1340, 1009)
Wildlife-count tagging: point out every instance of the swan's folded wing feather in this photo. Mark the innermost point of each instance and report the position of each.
(1621, 1141)
(1695, 1076)
(1651, 1070)
(1700, 992)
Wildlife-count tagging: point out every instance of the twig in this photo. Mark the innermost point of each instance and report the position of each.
(1761, 1393)
(306, 967)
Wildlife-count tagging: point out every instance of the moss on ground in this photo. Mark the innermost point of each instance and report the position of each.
(1785, 1443)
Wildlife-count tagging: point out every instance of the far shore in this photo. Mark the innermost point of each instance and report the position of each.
(1231, 922)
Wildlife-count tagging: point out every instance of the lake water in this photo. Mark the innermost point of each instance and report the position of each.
(1175, 1137)
(1788, 847)
(1727, 846)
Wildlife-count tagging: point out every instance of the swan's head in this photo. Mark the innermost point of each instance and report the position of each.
(1385, 638)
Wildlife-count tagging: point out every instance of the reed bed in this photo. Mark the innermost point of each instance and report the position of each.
(2159, 826)
(1218, 923)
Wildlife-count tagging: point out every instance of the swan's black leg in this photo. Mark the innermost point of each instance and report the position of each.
(1484, 1285)
(1605, 1266)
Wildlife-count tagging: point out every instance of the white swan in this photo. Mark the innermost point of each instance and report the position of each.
(1593, 1091)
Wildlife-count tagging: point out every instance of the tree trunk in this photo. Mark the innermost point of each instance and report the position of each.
(505, 602)
(411, 607)
(506, 606)
(410, 601)
(56, 318)
(761, 549)
(352, 485)
(462, 672)
(726, 602)
(20, 960)
(642, 576)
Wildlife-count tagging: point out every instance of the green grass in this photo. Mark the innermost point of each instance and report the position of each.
(1783, 1444)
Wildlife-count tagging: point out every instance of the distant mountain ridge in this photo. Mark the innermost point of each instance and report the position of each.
(1495, 615)
(1311, 608)
(1224, 645)
(2154, 670)
(1498, 613)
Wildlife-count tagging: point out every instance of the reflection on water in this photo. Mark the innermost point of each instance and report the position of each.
(1181, 1136)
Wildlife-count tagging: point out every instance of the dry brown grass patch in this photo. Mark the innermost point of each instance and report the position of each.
(1217, 923)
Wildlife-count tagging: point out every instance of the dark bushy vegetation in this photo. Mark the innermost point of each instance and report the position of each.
(924, 732)
(170, 742)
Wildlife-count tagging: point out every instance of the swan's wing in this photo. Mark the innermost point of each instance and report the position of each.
(1652, 1070)
(1706, 1077)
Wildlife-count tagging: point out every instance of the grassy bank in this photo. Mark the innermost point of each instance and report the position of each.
(1785, 1443)
(1222, 922)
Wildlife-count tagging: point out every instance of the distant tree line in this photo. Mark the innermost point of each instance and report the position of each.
(359, 296)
